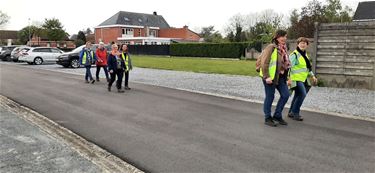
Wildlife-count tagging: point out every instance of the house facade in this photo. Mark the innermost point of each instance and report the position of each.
(139, 28)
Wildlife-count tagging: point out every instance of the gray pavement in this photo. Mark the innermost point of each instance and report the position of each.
(352, 102)
(164, 130)
(25, 148)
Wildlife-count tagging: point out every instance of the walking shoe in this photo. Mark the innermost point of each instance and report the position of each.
(290, 115)
(120, 91)
(92, 81)
(127, 88)
(87, 81)
(297, 118)
(109, 88)
(280, 121)
(97, 79)
(270, 122)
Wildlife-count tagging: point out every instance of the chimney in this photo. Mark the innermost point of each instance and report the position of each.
(186, 27)
(155, 13)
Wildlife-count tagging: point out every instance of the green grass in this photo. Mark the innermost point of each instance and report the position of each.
(201, 65)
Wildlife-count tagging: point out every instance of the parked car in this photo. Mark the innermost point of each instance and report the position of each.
(40, 55)
(5, 52)
(71, 59)
(16, 53)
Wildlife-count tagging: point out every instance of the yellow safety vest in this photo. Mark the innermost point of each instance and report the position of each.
(272, 65)
(126, 60)
(85, 56)
(299, 72)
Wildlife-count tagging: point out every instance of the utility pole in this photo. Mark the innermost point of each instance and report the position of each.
(29, 33)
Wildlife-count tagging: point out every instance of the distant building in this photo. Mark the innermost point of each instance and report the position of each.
(8, 37)
(37, 41)
(365, 12)
(139, 28)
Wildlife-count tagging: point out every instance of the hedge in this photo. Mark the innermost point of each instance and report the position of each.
(217, 50)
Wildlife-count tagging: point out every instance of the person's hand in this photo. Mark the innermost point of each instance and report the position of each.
(269, 80)
(110, 71)
(289, 82)
(315, 80)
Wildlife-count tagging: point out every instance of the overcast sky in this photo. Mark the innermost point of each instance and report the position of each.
(78, 15)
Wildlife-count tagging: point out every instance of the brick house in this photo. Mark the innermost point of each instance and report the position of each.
(139, 28)
(37, 41)
(8, 37)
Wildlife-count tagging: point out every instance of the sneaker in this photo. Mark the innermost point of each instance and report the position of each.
(297, 118)
(290, 115)
(127, 88)
(87, 81)
(92, 81)
(270, 122)
(120, 91)
(280, 121)
(97, 79)
(109, 88)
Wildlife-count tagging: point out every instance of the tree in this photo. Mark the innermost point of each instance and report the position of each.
(81, 39)
(303, 24)
(210, 35)
(88, 31)
(4, 18)
(54, 30)
(27, 32)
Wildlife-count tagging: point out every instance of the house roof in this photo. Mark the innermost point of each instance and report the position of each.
(365, 11)
(136, 19)
(8, 34)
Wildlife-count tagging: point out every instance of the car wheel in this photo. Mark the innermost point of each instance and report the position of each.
(7, 58)
(74, 63)
(38, 61)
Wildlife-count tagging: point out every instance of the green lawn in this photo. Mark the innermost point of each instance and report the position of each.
(201, 65)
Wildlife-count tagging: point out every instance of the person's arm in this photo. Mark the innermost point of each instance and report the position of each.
(80, 56)
(267, 52)
(109, 63)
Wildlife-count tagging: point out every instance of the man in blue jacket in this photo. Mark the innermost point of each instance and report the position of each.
(86, 58)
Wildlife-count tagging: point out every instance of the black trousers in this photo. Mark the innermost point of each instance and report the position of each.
(105, 71)
(127, 78)
(120, 75)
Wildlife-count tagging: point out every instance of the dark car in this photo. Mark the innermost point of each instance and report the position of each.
(5, 52)
(71, 59)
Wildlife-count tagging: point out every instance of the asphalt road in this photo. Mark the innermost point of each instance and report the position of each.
(165, 130)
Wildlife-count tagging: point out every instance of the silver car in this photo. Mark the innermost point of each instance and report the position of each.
(16, 52)
(40, 55)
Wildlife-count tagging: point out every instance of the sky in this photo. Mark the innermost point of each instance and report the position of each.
(79, 15)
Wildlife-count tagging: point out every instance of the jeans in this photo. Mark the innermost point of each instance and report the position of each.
(88, 73)
(282, 87)
(300, 92)
(105, 72)
(120, 75)
(126, 78)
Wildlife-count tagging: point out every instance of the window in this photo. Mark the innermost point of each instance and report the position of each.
(140, 20)
(153, 33)
(55, 51)
(44, 50)
(126, 19)
(127, 31)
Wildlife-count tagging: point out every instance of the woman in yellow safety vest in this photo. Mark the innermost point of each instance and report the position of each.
(301, 70)
(274, 68)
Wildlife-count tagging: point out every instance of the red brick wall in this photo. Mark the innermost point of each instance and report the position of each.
(107, 35)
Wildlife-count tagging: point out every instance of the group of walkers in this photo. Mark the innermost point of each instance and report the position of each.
(279, 71)
(287, 74)
(115, 64)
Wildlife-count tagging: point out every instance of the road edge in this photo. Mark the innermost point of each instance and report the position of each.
(100, 157)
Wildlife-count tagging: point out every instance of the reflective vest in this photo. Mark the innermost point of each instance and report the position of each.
(299, 72)
(272, 65)
(126, 60)
(85, 57)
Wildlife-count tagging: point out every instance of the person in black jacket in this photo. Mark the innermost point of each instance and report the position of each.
(116, 67)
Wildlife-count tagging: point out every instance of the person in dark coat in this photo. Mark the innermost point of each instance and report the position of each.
(116, 67)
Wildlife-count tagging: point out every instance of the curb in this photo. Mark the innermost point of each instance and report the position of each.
(100, 157)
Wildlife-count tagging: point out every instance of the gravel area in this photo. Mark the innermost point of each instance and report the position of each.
(352, 102)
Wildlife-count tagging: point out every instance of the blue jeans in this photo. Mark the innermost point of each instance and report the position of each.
(88, 73)
(300, 92)
(282, 87)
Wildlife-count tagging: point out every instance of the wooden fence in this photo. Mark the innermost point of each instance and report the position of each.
(345, 54)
